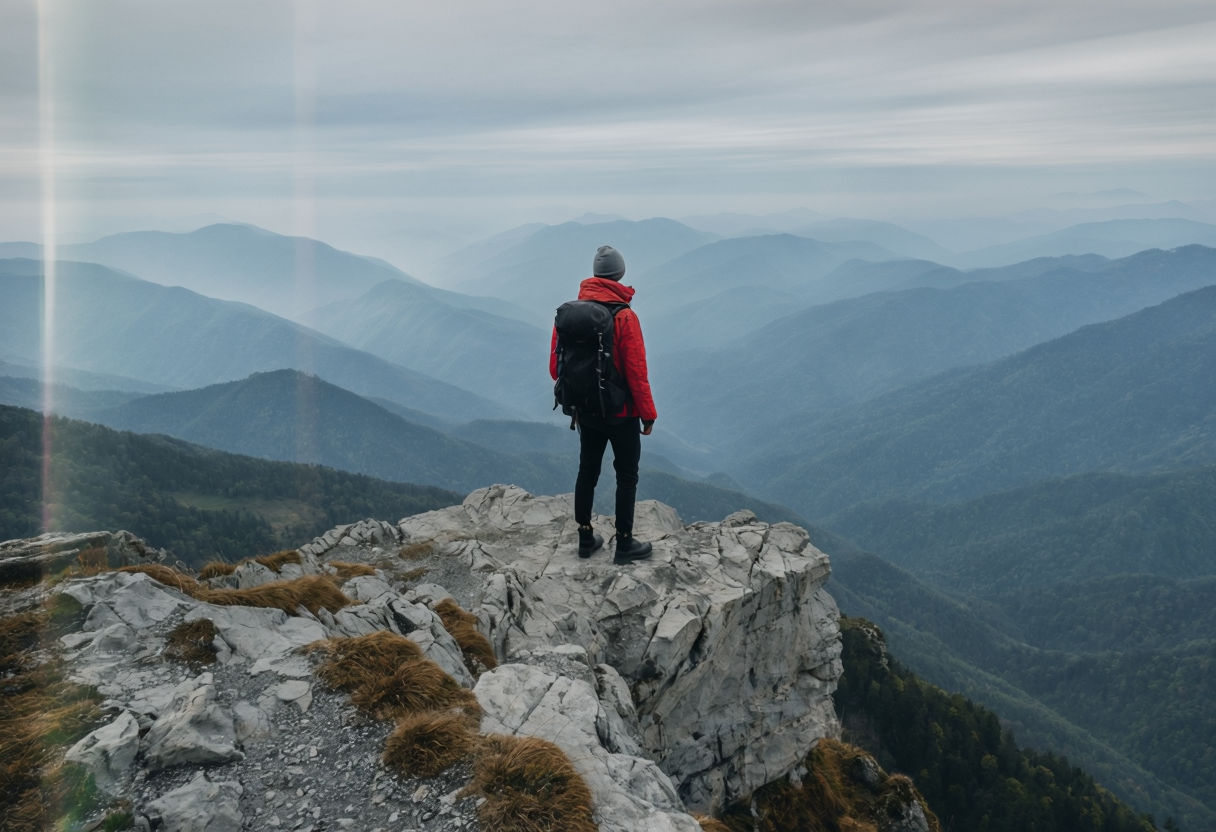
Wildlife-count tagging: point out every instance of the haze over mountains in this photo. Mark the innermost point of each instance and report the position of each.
(107, 322)
(283, 275)
(1049, 416)
(1133, 394)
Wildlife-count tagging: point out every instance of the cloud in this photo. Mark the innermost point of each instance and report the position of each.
(551, 98)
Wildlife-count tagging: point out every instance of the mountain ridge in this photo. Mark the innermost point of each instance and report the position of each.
(109, 322)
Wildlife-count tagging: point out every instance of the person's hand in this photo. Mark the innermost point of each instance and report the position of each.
(647, 427)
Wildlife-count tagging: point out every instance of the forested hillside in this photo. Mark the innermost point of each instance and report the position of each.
(972, 772)
(198, 503)
(1122, 662)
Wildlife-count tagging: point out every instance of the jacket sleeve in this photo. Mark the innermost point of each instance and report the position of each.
(553, 355)
(631, 361)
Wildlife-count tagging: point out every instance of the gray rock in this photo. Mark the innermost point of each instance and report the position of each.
(251, 722)
(296, 692)
(630, 792)
(199, 806)
(686, 680)
(251, 573)
(35, 556)
(109, 752)
(194, 729)
(726, 637)
(266, 638)
(366, 588)
(100, 617)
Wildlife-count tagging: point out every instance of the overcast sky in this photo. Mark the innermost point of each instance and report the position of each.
(378, 125)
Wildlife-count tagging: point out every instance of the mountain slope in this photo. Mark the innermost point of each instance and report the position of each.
(1029, 538)
(290, 416)
(968, 765)
(108, 322)
(197, 502)
(900, 240)
(827, 357)
(1111, 238)
(782, 262)
(287, 415)
(281, 274)
(1133, 394)
(65, 400)
(544, 268)
(438, 333)
(955, 644)
(78, 378)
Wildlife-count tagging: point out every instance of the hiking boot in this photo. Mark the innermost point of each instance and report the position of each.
(629, 549)
(588, 541)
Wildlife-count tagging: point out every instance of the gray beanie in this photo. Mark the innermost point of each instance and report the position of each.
(608, 263)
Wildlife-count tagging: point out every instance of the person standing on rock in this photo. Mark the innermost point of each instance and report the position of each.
(600, 424)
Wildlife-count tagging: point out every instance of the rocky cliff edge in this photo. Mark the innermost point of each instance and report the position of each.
(675, 684)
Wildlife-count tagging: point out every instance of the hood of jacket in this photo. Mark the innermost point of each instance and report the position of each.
(604, 290)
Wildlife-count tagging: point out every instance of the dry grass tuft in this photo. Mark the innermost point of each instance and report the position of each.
(427, 742)
(313, 592)
(417, 551)
(274, 562)
(462, 625)
(92, 561)
(345, 570)
(709, 824)
(41, 713)
(19, 634)
(192, 642)
(388, 676)
(216, 569)
(167, 576)
(529, 785)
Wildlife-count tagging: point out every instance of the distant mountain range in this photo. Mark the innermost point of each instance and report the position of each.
(446, 336)
(1079, 528)
(1132, 395)
(764, 289)
(542, 269)
(886, 235)
(801, 367)
(108, 322)
(1112, 238)
(79, 379)
(780, 261)
(283, 275)
(290, 416)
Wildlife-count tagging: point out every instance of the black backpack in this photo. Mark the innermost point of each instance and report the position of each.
(588, 383)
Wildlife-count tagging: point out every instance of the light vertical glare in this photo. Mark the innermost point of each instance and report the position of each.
(46, 166)
(304, 86)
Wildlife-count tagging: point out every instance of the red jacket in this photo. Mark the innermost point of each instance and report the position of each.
(628, 350)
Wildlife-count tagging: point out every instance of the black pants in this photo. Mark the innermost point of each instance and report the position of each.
(626, 438)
